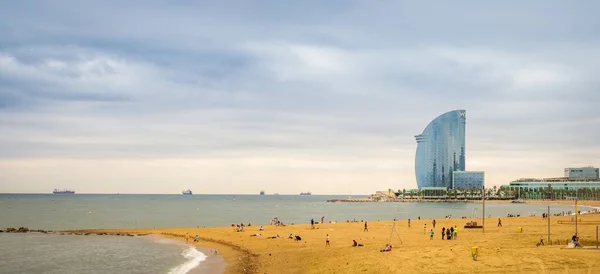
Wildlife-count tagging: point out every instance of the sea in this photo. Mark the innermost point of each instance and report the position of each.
(55, 253)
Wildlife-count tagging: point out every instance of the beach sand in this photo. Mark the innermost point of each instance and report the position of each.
(501, 249)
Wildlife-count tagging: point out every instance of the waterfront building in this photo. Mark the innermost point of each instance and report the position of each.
(468, 180)
(582, 173)
(578, 182)
(441, 150)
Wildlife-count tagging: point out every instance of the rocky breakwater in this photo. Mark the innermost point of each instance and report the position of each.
(25, 230)
(100, 233)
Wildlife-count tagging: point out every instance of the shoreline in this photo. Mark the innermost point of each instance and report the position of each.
(241, 253)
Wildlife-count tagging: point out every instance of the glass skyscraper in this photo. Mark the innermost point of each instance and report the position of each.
(441, 150)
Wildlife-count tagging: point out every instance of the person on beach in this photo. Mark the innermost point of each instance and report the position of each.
(187, 237)
(323, 219)
(255, 235)
(443, 232)
(431, 234)
(366, 228)
(424, 228)
(387, 248)
(355, 244)
(447, 234)
(312, 223)
(261, 228)
(451, 233)
(433, 223)
(196, 239)
(327, 241)
(499, 222)
(291, 236)
(455, 234)
(408, 222)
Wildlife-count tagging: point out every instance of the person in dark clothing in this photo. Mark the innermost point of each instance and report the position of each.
(433, 223)
(312, 223)
(366, 227)
(443, 232)
(499, 222)
(451, 233)
(447, 234)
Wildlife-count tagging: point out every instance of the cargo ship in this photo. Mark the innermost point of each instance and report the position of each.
(262, 192)
(63, 191)
(305, 193)
(186, 192)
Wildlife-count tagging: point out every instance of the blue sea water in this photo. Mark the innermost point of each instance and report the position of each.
(40, 253)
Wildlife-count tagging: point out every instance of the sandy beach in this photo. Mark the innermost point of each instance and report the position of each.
(501, 249)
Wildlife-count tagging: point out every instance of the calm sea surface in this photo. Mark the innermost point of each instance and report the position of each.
(39, 253)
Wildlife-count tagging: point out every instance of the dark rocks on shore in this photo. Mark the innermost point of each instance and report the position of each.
(11, 229)
(1, 231)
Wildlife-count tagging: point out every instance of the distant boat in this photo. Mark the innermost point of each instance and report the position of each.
(305, 193)
(262, 192)
(275, 193)
(63, 191)
(186, 192)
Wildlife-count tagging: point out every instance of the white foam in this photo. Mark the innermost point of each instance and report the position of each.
(195, 258)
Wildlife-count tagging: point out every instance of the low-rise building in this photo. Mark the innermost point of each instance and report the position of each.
(468, 180)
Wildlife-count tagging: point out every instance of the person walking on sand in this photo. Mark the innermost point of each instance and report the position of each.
(455, 232)
(431, 234)
(408, 222)
(322, 219)
(327, 241)
(312, 223)
(424, 228)
(443, 232)
(366, 228)
(433, 223)
(499, 222)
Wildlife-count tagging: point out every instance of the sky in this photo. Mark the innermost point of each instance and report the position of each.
(289, 96)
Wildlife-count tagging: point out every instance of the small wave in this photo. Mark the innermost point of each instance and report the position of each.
(195, 258)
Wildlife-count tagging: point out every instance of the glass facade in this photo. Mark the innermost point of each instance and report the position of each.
(468, 179)
(441, 150)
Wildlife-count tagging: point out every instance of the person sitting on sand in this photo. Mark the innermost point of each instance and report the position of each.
(355, 244)
(387, 248)
(298, 238)
(291, 236)
(196, 238)
(261, 228)
(575, 239)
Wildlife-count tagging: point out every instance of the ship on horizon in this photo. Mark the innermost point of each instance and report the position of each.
(306, 193)
(63, 191)
(187, 192)
(262, 192)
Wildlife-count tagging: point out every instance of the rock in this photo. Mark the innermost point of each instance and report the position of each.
(1, 231)
(87, 234)
(23, 230)
(11, 229)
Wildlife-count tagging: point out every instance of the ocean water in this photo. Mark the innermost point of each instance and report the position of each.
(48, 211)
(63, 254)
(41, 253)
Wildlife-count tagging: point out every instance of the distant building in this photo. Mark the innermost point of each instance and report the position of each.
(468, 179)
(441, 150)
(582, 173)
(577, 181)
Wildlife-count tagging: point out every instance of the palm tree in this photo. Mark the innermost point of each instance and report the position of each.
(403, 193)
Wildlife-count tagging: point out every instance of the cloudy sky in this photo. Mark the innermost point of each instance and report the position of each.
(326, 96)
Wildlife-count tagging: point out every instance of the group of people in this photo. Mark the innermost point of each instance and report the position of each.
(276, 222)
(450, 233)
